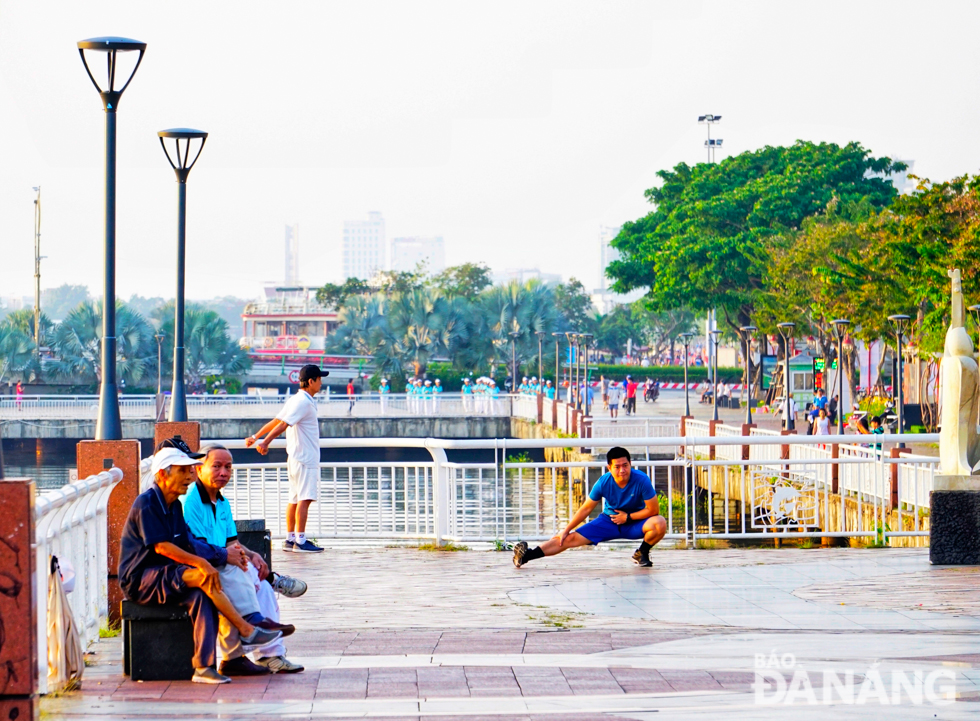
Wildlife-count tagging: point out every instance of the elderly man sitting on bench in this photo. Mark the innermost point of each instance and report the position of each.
(160, 563)
(251, 587)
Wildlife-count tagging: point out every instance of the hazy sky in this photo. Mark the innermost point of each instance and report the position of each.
(513, 129)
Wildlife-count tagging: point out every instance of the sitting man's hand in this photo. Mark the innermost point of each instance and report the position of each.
(211, 577)
(620, 518)
(237, 556)
(260, 565)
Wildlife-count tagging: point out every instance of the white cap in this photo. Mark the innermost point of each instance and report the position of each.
(166, 457)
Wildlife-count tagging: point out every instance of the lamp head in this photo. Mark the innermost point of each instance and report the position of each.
(748, 329)
(112, 47)
(188, 136)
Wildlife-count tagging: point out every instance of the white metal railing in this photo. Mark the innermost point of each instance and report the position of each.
(370, 405)
(70, 523)
(514, 497)
(633, 427)
(525, 406)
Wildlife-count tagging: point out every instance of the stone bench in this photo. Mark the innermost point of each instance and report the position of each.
(158, 640)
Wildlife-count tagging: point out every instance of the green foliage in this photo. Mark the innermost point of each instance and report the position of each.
(467, 280)
(665, 374)
(17, 352)
(574, 306)
(208, 349)
(334, 296)
(716, 227)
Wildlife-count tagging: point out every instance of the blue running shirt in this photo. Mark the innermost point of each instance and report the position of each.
(631, 498)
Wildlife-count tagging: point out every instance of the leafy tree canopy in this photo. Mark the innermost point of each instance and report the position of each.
(332, 295)
(467, 280)
(574, 306)
(711, 239)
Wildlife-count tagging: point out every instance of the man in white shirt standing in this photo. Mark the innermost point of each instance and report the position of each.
(298, 418)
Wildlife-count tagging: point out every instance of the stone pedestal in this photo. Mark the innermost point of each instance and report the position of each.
(954, 521)
(189, 432)
(18, 600)
(97, 456)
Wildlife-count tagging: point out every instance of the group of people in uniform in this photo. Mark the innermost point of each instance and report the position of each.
(423, 396)
(480, 395)
(534, 386)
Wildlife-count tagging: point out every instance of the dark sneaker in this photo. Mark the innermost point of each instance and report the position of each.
(288, 546)
(286, 628)
(306, 547)
(520, 550)
(642, 559)
(209, 675)
(242, 666)
(259, 637)
(288, 586)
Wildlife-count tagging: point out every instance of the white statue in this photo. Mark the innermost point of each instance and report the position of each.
(959, 443)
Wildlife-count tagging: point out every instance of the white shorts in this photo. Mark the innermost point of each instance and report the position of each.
(303, 481)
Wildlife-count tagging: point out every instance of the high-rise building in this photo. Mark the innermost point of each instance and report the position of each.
(364, 247)
(292, 254)
(607, 254)
(407, 253)
(523, 275)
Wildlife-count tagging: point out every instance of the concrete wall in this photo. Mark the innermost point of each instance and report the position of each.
(408, 427)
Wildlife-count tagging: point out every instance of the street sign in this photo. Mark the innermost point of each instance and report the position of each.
(294, 376)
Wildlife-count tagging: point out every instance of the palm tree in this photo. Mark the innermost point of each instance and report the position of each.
(425, 323)
(77, 340)
(208, 348)
(522, 309)
(17, 352)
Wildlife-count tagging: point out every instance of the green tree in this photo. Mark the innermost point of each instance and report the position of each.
(58, 302)
(467, 280)
(209, 349)
(425, 324)
(521, 309)
(17, 354)
(334, 296)
(77, 340)
(574, 306)
(711, 239)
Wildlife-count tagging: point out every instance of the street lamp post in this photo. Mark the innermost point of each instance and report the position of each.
(540, 334)
(178, 397)
(748, 330)
(587, 339)
(786, 331)
(686, 340)
(557, 337)
(840, 327)
(715, 334)
(514, 335)
(159, 339)
(109, 425)
(901, 323)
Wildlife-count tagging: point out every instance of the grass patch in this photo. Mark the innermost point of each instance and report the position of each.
(562, 620)
(109, 630)
(805, 543)
(449, 547)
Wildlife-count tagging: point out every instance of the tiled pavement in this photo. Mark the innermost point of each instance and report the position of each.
(398, 633)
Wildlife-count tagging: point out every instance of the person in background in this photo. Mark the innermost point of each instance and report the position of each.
(20, 394)
(631, 387)
(437, 390)
(615, 395)
(351, 396)
(832, 407)
(604, 386)
(466, 393)
(549, 390)
(383, 391)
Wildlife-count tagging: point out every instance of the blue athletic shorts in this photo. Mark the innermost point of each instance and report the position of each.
(603, 529)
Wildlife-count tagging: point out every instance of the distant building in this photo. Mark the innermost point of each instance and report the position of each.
(292, 255)
(364, 247)
(607, 254)
(523, 275)
(407, 253)
(901, 181)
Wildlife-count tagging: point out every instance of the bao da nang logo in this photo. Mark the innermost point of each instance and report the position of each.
(786, 500)
(780, 681)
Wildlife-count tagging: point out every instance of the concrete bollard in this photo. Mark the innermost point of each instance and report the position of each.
(711, 432)
(746, 431)
(94, 457)
(18, 601)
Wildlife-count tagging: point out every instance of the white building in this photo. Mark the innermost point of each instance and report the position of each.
(364, 247)
(523, 275)
(407, 253)
(292, 254)
(607, 254)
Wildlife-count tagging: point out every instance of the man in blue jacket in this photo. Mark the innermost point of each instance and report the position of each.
(630, 511)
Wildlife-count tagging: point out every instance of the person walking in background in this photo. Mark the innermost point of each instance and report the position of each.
(350, 397)
(631, 387)
(20, 394)
(604, 385)
(615, 393)
(298, 419)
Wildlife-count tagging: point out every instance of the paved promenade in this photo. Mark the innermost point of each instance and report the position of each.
(400, 633)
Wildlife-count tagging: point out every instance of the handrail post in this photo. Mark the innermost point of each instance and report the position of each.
(440, 493)
(20, 600)
(746, 431)
(711, 432)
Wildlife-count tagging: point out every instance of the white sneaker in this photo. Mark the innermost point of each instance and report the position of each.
(209, 675)
(288, 586)
(280, 664)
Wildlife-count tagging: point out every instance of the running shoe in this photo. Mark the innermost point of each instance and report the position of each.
(289, 546)
(642, 559)
(306, 547)
(279, 664)
(520, 550)
(258, 638)
(209, 675)
(288, 586)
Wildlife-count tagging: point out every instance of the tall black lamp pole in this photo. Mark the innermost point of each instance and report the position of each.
(748, 330)
(786, 331)
(901, 323)
(182, 168)
(557, 337)
(586, 341)
(840, 328)
(686, 340)
(540, 334)
(109, 425)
